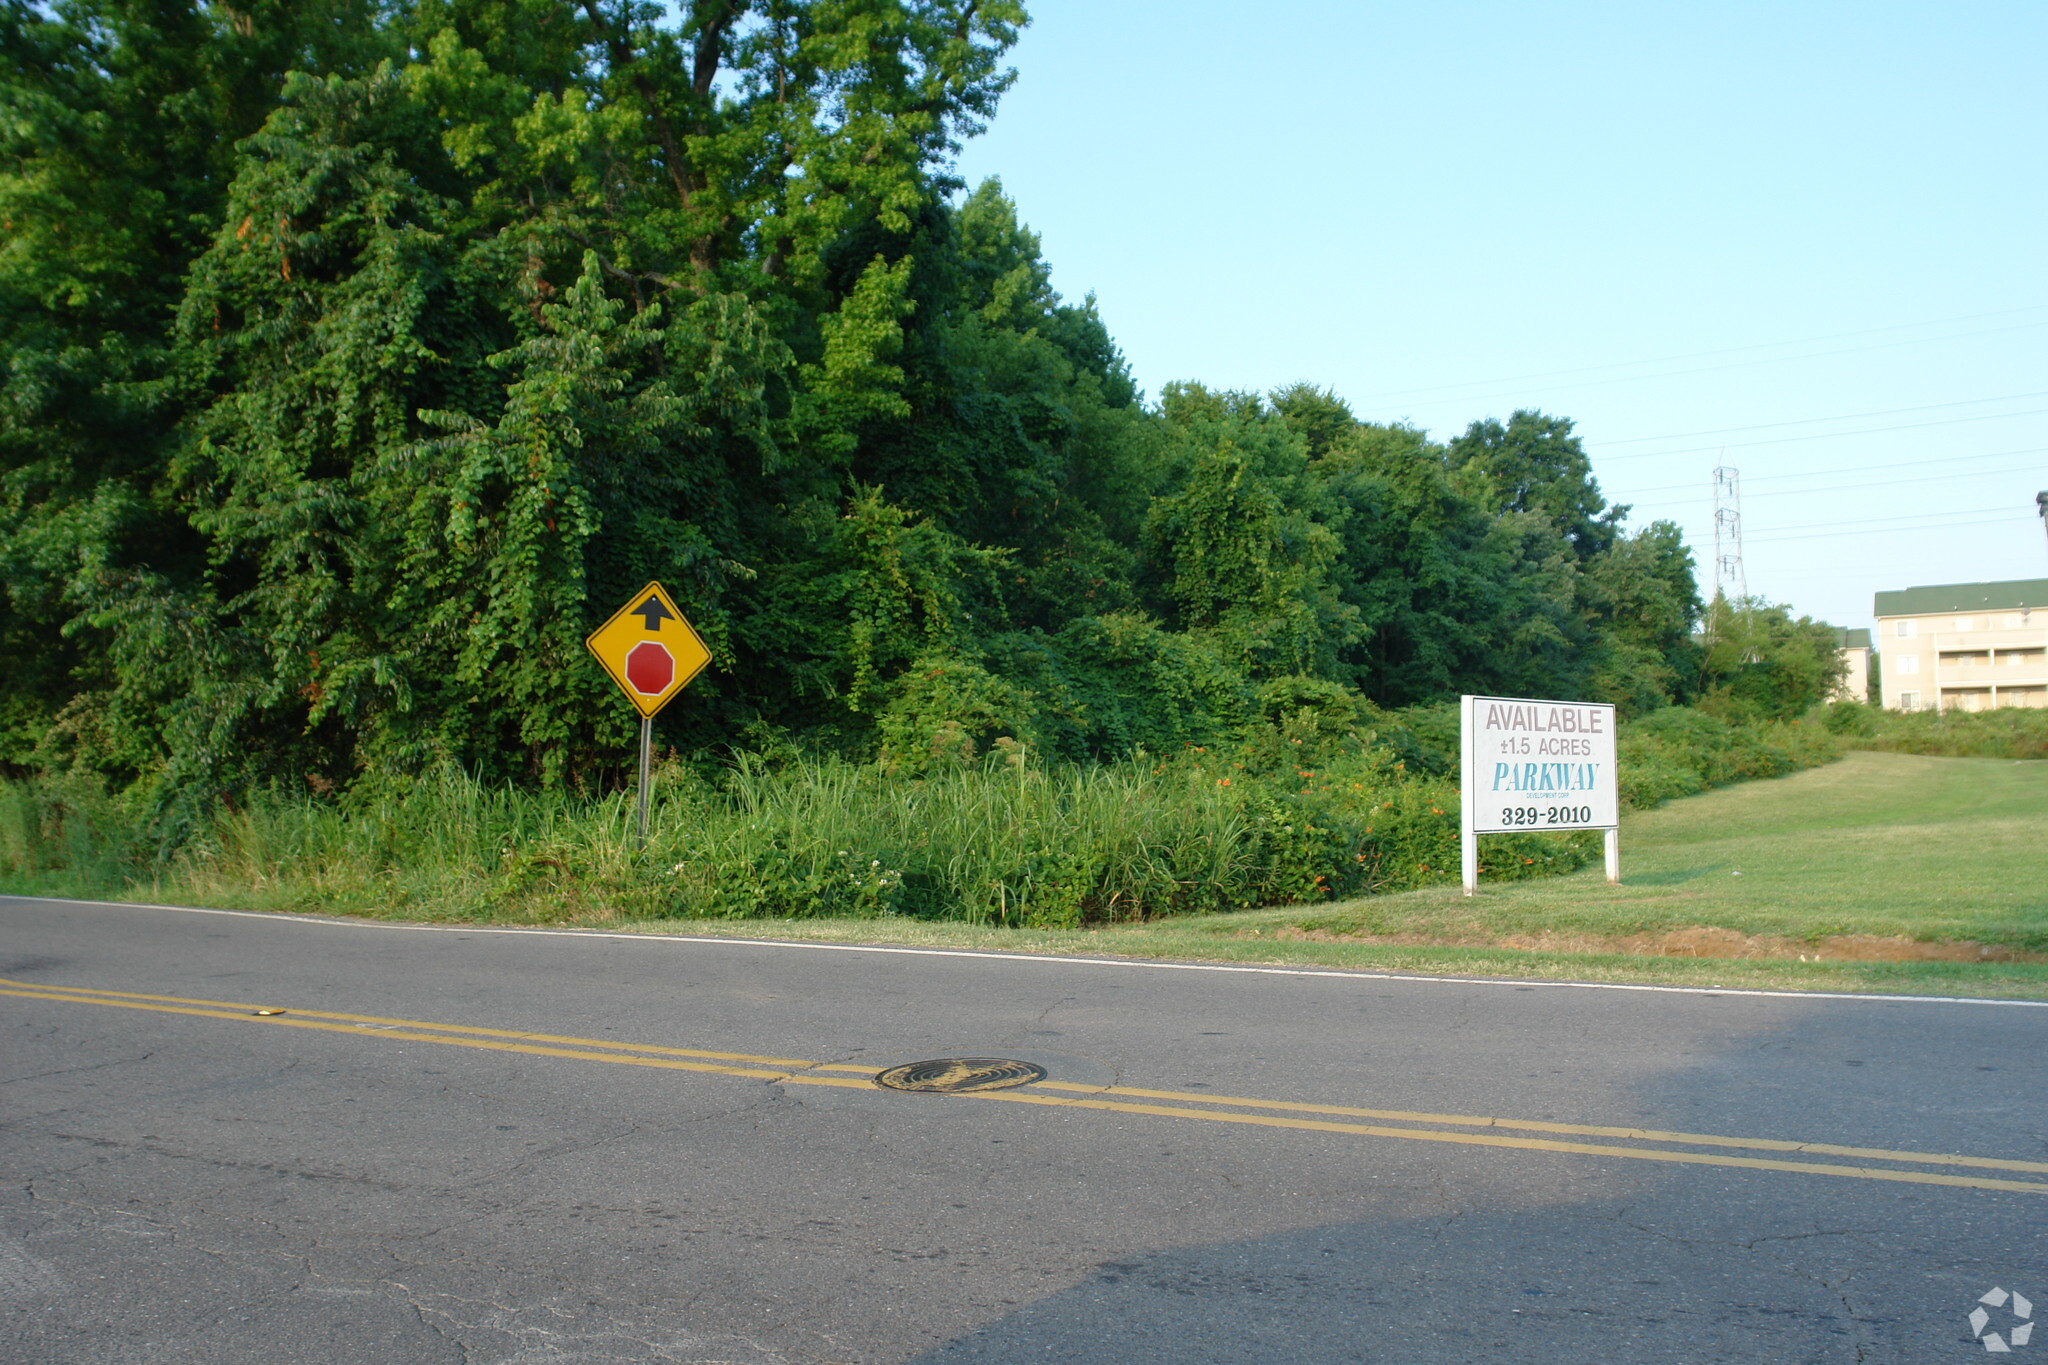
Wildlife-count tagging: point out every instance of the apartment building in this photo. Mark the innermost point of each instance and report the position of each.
(1854, 646)
(1968, 645)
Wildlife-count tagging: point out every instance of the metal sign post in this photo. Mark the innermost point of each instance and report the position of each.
(1468, 836)
(652, 653)
(646, 761)
(1530, 766)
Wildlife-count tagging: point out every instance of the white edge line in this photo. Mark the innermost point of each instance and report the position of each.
(287, 917)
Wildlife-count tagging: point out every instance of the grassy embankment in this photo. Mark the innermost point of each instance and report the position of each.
(1880, 872)
(1311, 808)
(1883, 872)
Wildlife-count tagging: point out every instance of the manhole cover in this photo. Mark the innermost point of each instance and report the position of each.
(956, 1075)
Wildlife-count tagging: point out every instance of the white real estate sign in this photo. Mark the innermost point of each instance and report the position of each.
(1535, 765)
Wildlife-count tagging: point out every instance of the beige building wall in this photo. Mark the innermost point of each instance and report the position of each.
(1972, 660)
(1855, 683)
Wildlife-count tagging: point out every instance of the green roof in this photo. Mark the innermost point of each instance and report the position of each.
(2017, 592)
(1848, 638)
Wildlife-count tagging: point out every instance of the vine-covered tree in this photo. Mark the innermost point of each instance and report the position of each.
(362, 354)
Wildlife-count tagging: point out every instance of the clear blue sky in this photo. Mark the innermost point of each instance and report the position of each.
(1823, 224)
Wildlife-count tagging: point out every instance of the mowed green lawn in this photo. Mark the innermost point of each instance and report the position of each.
(1847, 877)
(1948, 850)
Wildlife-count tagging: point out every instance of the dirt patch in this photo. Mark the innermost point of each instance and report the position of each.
(1699, 941)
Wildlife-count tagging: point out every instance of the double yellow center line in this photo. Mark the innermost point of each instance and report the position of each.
(1636, 1144)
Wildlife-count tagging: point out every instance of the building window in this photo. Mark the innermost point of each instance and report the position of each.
(1909, 701)
(1906, 630)
(1909, 663)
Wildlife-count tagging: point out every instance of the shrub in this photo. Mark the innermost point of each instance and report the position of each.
(947, 710)
(1107, 686)
(1299, 806)
(1424, 737)
(69, 825)
(1680, 751)
(2008, 732)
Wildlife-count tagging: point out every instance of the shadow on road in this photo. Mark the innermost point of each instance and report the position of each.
(1664, 1280)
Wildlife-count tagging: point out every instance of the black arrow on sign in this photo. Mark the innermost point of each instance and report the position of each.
(652, 614)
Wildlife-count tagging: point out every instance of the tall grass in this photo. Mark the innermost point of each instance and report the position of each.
(1281, 818)
(1681, 752)
(2007, 732)
(1005, 841)
(67, 833)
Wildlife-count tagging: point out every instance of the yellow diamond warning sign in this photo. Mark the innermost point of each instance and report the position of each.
(649, 649)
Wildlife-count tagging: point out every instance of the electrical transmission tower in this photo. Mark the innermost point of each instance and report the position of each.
(1729, 581)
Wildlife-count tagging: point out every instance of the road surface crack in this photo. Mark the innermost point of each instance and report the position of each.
(74, 1070)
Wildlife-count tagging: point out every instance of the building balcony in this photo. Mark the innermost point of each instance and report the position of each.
(1998, 676)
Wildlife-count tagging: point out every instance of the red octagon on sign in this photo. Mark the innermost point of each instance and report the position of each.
(650, 668)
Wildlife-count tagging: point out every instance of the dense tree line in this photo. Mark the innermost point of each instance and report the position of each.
(362, 354)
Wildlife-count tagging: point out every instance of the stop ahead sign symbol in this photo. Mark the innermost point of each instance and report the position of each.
(649, 650)
(650, 668)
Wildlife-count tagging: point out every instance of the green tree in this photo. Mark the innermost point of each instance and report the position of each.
(1762, 663)
(1535, 465)
(1451, 595)
(526, 312)
(119, 121)
(363, 354)
(1239, 544)
(1648, 607)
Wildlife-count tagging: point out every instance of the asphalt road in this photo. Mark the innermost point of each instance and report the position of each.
(496, 1146)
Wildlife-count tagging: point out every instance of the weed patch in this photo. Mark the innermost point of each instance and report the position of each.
(1300, 809)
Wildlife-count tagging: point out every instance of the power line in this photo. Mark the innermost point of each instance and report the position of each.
(1843, 487)
(1892, 530)
(1873, 521)
(1772, 531)
(1828, 435)
(1487, 398)
(1904, 516)
(1702, 355)
(1809, 421)
(1860, 469)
